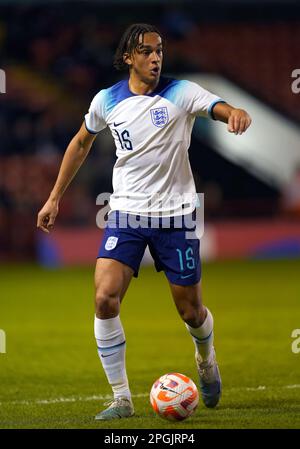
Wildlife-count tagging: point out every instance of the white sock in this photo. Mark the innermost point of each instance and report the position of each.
(111, 347)
(203, 336)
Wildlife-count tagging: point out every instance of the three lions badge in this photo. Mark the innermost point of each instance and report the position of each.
(160, 116)
(111, 243)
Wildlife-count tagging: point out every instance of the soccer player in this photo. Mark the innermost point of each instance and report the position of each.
(151, 119)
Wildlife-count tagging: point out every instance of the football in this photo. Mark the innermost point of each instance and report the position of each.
(174, 396)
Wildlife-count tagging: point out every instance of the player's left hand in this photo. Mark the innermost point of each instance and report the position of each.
(239, 120)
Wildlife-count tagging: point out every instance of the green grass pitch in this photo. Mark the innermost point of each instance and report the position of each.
(51, 377)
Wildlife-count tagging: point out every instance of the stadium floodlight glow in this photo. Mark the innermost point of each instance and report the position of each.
(2, 342)
(2, 82)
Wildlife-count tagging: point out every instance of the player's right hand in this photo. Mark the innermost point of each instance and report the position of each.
(47, 215)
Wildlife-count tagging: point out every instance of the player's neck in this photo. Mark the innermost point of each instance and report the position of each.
(139, 87)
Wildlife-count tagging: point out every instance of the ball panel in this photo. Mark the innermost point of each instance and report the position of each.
(172, 414)
(191, 396)
(182, 377)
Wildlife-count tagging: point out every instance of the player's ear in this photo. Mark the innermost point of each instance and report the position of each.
(127, 59)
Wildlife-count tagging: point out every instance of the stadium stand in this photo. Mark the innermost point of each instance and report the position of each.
(61, 62)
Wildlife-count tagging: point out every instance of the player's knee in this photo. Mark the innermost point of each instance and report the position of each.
(192, 316)
(107, 304)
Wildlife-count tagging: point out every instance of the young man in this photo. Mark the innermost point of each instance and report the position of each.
(151, 120)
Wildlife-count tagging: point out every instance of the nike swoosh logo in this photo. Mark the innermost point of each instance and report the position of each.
(188, 276)
(108, 355)
(118, 124)
(168, 389)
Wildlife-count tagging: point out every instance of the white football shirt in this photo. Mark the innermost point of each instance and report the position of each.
(152, 133)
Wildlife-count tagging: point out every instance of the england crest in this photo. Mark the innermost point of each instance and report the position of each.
(160, 117)
(111, 243)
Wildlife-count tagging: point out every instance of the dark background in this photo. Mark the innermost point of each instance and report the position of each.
(58, 55)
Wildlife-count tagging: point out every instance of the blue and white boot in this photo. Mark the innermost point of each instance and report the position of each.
(210, 380)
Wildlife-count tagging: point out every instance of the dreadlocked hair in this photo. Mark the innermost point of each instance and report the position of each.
(129, 42)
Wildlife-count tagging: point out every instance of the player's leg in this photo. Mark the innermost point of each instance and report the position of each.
(198, 319)
(120, 254)
(178, 253)
(199, 322)
(112, 279)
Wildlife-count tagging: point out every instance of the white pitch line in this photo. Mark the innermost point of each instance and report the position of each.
(138, 395)
(261, 387)
(106, 397)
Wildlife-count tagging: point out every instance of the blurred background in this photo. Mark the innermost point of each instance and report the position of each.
(58, 55)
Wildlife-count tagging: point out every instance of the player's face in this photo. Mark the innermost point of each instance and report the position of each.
(146, 60)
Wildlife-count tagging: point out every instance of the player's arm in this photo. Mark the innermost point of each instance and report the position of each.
(74, 156)
(237, 120)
